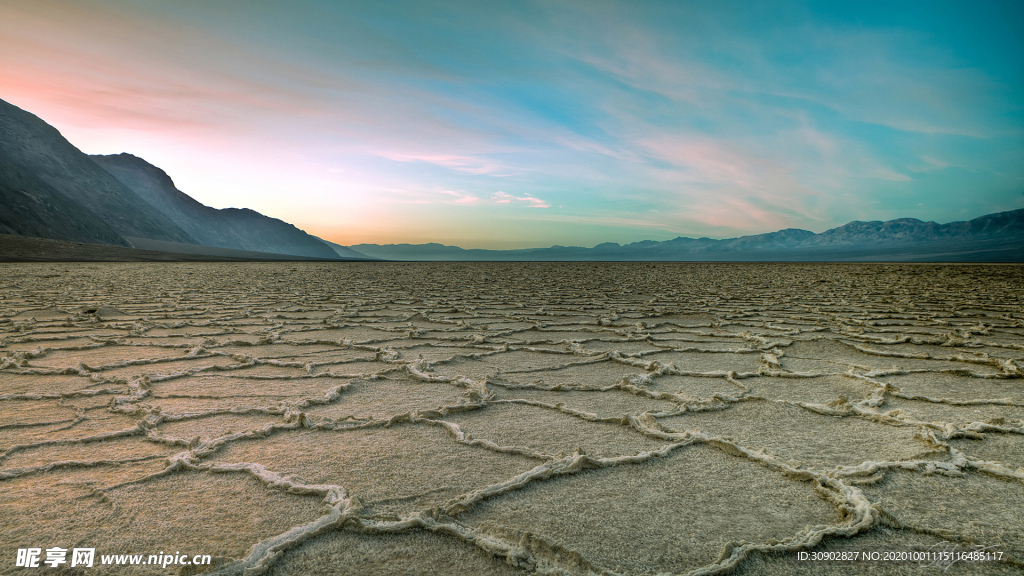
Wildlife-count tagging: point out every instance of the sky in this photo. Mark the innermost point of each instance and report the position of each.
(517, 124)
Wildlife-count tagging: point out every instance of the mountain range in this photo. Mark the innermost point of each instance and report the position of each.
(995, 237)
(50, 189)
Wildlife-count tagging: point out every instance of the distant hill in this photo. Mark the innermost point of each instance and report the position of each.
(345, 251)
(995, 237)
(236, 228)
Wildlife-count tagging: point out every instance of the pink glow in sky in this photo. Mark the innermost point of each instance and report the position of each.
(492, 126)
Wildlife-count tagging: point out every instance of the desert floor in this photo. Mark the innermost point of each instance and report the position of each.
(514, 418)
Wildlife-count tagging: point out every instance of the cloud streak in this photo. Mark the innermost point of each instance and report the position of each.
(531, 202)
(464, 164)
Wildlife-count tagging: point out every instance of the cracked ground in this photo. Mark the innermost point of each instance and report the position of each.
(513, 418)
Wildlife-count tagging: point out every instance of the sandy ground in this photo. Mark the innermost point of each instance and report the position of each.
(482, 418)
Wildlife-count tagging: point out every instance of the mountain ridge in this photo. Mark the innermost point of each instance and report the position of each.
(236, 228)
(998, 236)
(40, 167)
(51, 189)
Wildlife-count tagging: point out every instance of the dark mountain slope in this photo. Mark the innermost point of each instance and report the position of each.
(31, 207)
(34, 153)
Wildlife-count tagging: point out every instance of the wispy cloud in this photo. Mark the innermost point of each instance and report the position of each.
(461, 197)
(422, 195)
(500, 197)
(465, 164)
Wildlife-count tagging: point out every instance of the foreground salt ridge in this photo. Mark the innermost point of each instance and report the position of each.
(371, 336)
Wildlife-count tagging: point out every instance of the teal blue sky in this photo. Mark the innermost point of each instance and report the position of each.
(523, 124)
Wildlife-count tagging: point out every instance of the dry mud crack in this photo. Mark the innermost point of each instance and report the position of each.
(528, 418)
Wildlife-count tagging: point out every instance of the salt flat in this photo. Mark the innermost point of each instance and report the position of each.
(514, 418)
